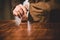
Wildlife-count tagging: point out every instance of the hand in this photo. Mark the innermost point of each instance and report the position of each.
(20, 11)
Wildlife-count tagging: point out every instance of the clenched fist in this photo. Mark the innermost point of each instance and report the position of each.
(20, 11)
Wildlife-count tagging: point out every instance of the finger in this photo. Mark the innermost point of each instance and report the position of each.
(23, 8)
(15, 13)
(20, 10)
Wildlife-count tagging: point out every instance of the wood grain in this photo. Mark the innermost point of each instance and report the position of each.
(39, 31)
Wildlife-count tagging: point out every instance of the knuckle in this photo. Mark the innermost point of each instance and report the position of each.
(20, 5)
(17, 5)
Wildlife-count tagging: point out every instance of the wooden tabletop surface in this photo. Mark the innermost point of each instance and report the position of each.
(38, 31)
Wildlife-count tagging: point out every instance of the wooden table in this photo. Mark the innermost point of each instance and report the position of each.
(39, 31)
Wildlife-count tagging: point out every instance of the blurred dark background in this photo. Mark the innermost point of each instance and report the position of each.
(6, 10)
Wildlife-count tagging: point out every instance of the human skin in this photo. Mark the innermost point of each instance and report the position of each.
(21, 10)
(39, 10)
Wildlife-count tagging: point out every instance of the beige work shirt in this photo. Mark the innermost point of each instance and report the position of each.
(39, 11)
